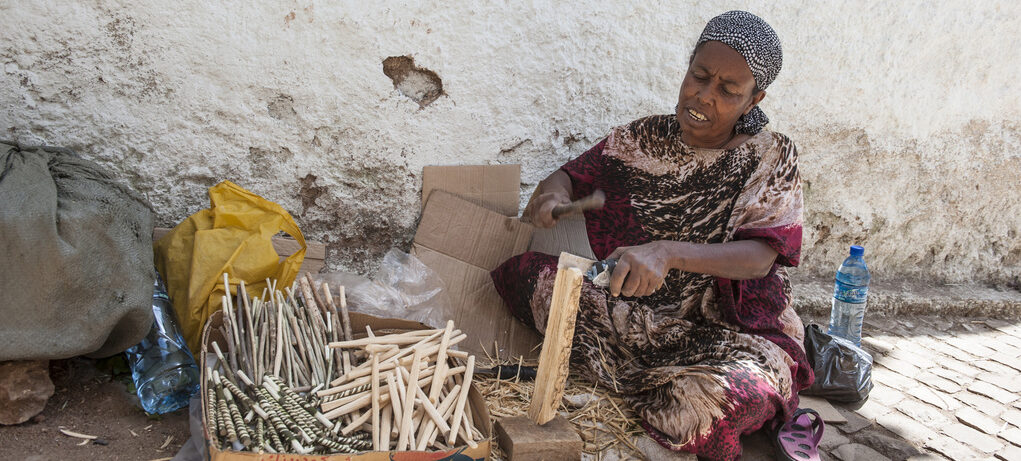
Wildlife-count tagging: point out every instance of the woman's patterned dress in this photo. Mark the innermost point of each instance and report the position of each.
(704, 359)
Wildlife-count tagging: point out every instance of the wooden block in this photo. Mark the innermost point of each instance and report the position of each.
(556, 346)
(523, 440)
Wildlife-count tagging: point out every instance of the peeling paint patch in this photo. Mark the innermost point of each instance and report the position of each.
(421, 85)
(309, 191)
(281, 107)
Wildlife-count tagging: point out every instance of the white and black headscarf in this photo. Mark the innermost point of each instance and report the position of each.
(752, 37)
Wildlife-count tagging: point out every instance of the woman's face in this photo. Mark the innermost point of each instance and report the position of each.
(717, 90)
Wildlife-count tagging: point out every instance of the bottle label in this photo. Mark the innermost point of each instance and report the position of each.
(850, 293)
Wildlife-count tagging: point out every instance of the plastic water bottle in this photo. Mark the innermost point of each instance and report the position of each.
(162, 367)
(849, 296)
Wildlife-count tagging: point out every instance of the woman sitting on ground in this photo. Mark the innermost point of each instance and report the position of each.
(703, 210)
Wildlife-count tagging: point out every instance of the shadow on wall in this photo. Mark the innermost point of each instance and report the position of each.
(421, 85)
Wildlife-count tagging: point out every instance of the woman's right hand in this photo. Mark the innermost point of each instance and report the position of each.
(541, 209)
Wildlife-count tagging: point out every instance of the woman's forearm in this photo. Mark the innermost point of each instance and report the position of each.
(558, 183)
(736, 260)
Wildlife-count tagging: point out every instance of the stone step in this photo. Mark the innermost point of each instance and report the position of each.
(813, 297)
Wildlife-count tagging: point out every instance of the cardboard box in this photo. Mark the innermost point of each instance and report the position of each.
(463, 242)
(494, 187)
(469, 226)
(480, 413)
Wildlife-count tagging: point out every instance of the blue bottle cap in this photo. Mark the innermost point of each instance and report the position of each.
(857, 250)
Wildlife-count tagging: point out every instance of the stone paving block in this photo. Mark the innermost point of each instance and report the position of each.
(1010, 453)
(1011, 382)
(917, 356)
(892, 447)
(923, 413)
(822, 406)
(885, 395)
(857, 452)
(876, 346)
(1008, 339)
(972, 438)
(872, 409)
(927, 457)
(929, 396)
(968, 343)
(898, 366)
(1000, 346)
(855, 422)
(993, 392)
(996, 323)
(993, 366)
(984, 404)
(888, 378)
(961, 368)
(1012, 435)
(832, 439)
(975, 419)
(942, 347)
(911, 430)
(1012, 329)
(1012, 416)
(938, 382)
(952, 375)
(952, 449)
(1006, 360)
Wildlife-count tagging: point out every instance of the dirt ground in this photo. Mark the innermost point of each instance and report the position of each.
(92, 399)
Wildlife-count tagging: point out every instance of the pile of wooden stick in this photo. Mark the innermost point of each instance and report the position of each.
(415, 399)
(285, 349)
(261, 391)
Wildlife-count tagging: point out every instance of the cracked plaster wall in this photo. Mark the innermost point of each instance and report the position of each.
(906, 113)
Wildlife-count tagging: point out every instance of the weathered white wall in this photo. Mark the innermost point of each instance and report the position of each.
(906, 113)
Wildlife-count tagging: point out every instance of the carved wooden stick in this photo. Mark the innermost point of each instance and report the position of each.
(409, 403)
(461, 399)
(375, 402)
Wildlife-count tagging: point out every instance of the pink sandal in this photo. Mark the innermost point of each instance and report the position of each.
(798, 439)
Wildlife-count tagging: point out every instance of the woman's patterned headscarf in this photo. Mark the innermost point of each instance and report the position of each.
(749, 35)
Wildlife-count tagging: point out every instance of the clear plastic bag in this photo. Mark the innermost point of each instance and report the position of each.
(843, 371)
(403, 288)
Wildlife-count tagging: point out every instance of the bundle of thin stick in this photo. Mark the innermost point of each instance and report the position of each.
(276, 358)
(263, 393)
(413, 393)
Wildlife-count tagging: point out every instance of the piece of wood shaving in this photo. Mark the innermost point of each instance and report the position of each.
(166, 443)
(77, 434)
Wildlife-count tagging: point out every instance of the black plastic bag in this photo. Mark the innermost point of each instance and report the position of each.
(843, 371)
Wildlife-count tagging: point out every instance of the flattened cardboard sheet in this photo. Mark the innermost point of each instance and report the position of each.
(463, 242)
(495, 187)
(569, 235)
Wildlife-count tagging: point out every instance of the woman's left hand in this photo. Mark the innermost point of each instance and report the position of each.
(640, 270)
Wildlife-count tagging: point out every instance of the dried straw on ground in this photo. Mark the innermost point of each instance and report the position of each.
(604, 422)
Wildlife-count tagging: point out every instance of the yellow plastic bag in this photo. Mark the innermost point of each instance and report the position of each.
(234, 235)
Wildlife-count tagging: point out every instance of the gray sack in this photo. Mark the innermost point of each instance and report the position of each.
(76, 270)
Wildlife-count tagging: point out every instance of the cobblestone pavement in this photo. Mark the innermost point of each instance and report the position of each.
(945, 389)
